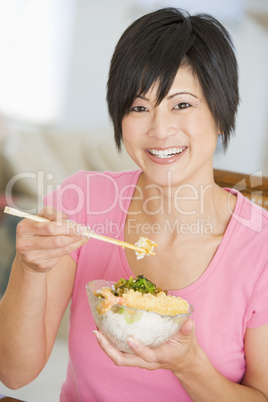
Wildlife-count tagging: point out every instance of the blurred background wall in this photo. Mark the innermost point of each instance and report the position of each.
(55, 58)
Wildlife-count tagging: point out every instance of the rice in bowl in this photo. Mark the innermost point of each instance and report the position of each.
(120, 322)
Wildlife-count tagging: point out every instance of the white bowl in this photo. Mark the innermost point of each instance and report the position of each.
(121, 322)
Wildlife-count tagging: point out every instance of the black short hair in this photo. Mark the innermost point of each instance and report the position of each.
(153, 48)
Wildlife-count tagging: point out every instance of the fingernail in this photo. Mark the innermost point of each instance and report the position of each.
(97, 335)
(132, 343)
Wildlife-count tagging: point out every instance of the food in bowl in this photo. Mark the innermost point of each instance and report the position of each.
(140, 319)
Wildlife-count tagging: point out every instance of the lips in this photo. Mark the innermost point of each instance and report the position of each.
(166, 153)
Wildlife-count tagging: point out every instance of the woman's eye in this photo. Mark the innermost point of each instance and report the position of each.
(182, 105)
(139, 109)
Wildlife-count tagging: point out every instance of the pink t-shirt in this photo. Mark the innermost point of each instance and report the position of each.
(230, 296)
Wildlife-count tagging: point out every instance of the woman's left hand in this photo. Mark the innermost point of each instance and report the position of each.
(176, 355)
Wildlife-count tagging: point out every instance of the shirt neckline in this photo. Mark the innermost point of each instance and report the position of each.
(216, 258)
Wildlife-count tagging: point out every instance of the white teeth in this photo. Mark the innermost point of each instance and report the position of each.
(166, 153)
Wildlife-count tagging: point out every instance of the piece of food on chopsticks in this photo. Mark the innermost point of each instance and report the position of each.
(147, 244)
(142, 294)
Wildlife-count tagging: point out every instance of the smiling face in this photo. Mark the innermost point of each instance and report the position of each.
(175, 139)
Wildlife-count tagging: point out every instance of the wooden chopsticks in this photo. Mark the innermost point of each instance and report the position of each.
(86, 231)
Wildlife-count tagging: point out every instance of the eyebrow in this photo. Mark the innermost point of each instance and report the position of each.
(181, 93)
(143, 97)
(171, 96)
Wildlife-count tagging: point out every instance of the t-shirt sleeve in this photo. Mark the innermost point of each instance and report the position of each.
(257, 311)
(69, 199)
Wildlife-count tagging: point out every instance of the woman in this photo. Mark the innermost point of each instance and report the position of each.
(172, 91)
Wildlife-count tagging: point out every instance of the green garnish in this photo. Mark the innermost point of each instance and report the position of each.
(138, 284)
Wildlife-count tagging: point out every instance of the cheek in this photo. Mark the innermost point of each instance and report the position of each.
(135, 124)
(126, 130)
(127, 134)
(130, 131)
(206, 128)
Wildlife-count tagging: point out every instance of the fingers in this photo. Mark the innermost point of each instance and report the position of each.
(46, 248)
(150, 356)
(188, 328)
(119, 358)
(46, 234)
(164, 353)
(174, 355)
(52, 214)
(52, 232)
(42, 244)
(137, 359)
(59, 222)
(115, 355)
(45, 260)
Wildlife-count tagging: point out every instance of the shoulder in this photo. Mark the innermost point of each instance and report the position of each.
(250, 217)
(92, 192)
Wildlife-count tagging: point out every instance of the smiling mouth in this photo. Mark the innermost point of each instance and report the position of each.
(166, 153)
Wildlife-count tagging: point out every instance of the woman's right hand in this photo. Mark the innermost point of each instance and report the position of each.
(40, 245)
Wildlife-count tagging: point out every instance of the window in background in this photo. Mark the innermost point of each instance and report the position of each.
(34, 51)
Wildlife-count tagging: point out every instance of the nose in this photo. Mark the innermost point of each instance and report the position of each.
(161, 126)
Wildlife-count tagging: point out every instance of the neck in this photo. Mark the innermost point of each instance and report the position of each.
(186, 204)
(181, 198)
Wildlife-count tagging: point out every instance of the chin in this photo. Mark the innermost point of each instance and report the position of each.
(163, 177)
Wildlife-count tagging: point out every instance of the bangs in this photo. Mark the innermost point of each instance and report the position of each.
(156, 62)
(148, 53)
(162, 80)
